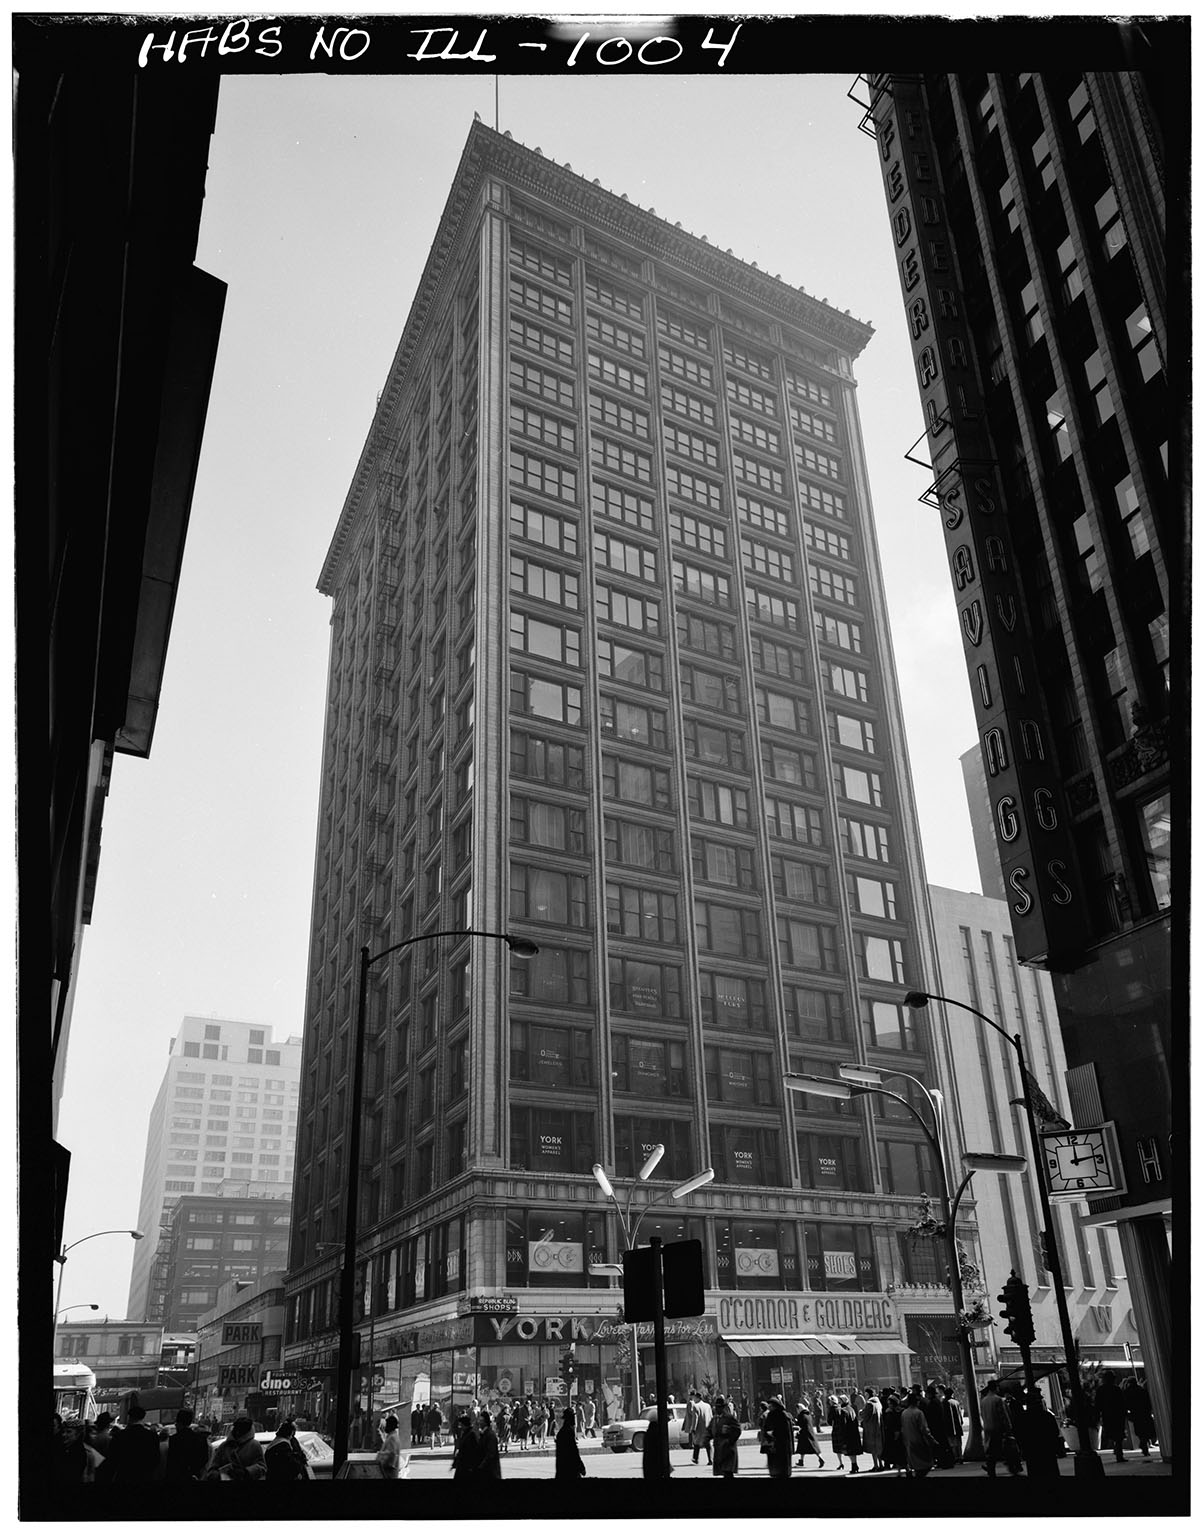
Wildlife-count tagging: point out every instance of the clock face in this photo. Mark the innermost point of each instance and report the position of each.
(1078, 1162)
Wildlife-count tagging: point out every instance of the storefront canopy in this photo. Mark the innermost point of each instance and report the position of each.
(812, 1344)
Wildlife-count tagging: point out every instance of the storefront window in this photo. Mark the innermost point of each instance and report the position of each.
(839, 1256)
(757, 1255)
(554, 1248)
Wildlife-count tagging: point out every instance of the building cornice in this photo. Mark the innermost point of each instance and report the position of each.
(487, 151)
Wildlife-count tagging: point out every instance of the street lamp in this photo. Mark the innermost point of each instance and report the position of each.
(845, 1089)
(519, 946)
(1086, 1456)
(60, 1258)
(78, 1306)
(629, 1231)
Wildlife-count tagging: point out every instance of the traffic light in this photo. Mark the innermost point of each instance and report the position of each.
(1013, 1301)
(566, 1367)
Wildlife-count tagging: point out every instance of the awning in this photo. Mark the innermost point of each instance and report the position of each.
(779, 1346)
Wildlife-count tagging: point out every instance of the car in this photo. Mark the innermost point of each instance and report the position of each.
(630, 1433)
(361, 1465)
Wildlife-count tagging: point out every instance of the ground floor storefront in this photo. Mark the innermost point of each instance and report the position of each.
(748, 1347)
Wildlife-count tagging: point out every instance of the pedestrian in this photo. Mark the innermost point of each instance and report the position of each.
(778, 1436)
(856, 1400)
(589, 1418)
(652, 1464)
(851, 1435)
(1040, 1437)
(77, 1461)
(187, 1450)
(464, 1462)
(1114, 1411)
(700, 1427)
(724, 1431)
(283, 1457)
(1141, 1414)
(871, 1426)
(806, 1436)
(568, 1462)
(895, 1456)
(239, 1457)
(434, 1422)
(134, 1454)
(954, 1421)
(688, 1421)
(939, 1423)
(818, 1407)
(388, 1454)
(503, 1427)
(919, 1443)
(520, 1423)
(997, 1427)
(489, 1450)
(417, 1424)
(538, 1423)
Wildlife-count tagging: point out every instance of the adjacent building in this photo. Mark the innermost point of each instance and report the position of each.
(610, 669)
(238, 1233)
(1028, 213)
(123, 1356)
(225, 1114)
(239, 1360)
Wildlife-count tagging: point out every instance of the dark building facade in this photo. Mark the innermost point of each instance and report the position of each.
(610, 669)
(208, 1240)
(1029, 219)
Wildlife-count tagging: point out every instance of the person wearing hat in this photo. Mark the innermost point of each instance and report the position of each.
(568, 1462)
(777, 1428)
(240, 1456)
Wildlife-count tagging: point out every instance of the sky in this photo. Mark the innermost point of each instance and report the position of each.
(322, 200)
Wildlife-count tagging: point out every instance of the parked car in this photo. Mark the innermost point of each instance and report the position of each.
(361, 1465)
(630, 1433)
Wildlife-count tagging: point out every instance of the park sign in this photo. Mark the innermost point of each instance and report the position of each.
(241, 1332)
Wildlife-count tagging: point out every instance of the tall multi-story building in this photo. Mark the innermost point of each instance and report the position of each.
(208, 1240)
(610, 669)
(226, 1110)
(1029, 219)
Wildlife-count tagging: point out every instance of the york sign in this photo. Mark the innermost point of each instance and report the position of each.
(1041, 883)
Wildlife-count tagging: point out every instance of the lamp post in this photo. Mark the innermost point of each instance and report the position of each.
(629, 1231)
(844, 1089)
(341, 1426)
(1087, 1460)
(78, 1306)
(60, 1258)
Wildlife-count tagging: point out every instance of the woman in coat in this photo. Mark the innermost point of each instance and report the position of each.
(777, 1429)
(723, 1432)
(919, 1442)
(806, 1436)
(568, 1463)
(871, 1424)
(895, 1457)
(852, 1444)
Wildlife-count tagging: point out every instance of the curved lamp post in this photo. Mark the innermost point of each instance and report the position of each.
(519, 946)
(60, 1258)
(845, 1089)
(630, 1229)
(1087, 1461)
(77, 1306)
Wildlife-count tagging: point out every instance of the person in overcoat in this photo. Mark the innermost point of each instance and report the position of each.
(777, 1432)
(568, 1462)
(807, 1442)
(724, 1432)
(871, 1425)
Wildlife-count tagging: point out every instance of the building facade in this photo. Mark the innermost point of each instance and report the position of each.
(225, 1111)
(610, 669)
(1029, 218)
(123, 1356)
(208, 1240)
(977, 956)
(239, 1353)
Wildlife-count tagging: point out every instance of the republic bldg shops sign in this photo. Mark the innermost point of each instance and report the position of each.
(783, 1314)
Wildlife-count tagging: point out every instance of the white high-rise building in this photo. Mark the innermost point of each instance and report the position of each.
(226, 1110)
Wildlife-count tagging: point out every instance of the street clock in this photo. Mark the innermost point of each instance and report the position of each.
(1083, 1162)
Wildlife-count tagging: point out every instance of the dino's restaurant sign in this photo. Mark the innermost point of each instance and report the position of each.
(1041, 882)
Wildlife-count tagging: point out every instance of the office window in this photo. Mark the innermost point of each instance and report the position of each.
(635, 666)
(551, 1056)
(541, 759)
(548, 825)
(643, 725)
(852, 732)
(750, 432)
(734, 1003)
(1142, 342)
(678, 326)
(814, 424)
(547, 305)
(679, 364)
(610, 295)
(547, 529)
(801, 880)
(701, 583)
(551, 1141)
(615, 457)
(554, 479)
(724, 864)
(789, 820)
(760, 474)
(638, 913)
(704, 687)
(623, 504)
(547, 897)
(775, 609)
(713, 745)
(810, 947)
(831, 1162)
(631, 611)
(1080, 108)
(716, 803)
(829, 584)
(1068, 265)
(541, 262)
(543, 639)
(795, 766)
(701, 535)
(627, 781)
(750, 397)
(905, 1168)
(687, 485)
(745, 1155)
(552, 386)
(748, 360)
(806, 387)
(653, 1069)
(686, 443)
(1130, 511)
(739, 1077)
(880, 959)
(822, 538)
(553, 976)
(1113, 238)
(680, 402)
(543, 342)
(767, 517)
(536, 425)
(629, 843)
(891, 1025)
(533, 697)
(616, 336)
(768, 561)
(616, 374)
(630, 558)
(778, 708)
(1154, 822)
(704, 635)
(1034, 327)
(537, 581)
(842, 634)
(874, 897)
(619, 416)
(844, 681)
(814, 1014)
(859, 785)
(644, 988)
(727, 931)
